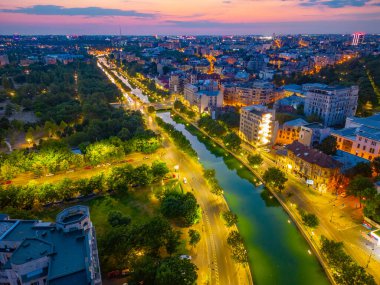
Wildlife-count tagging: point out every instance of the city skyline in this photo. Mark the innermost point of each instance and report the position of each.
(198, 17)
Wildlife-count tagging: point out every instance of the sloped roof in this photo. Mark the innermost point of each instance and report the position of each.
(313, 156)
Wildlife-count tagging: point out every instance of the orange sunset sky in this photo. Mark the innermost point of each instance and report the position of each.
(189, 16)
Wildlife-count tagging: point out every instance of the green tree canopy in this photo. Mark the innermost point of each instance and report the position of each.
(276, 178)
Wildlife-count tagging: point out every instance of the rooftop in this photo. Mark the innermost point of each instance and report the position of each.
(313, 156)
(68, 251)
(295, 123)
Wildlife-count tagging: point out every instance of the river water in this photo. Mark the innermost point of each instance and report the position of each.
(278, 253)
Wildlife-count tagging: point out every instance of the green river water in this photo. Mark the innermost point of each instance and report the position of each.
(278, 253)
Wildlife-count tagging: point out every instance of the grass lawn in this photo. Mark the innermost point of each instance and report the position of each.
(139, 203)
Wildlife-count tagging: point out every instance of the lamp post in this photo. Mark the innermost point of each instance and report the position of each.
(332, 213)
(370, 256)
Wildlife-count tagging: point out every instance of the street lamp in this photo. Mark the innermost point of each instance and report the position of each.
(369, 258)
(332, 212)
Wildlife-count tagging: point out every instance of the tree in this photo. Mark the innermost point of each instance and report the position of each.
(230, 218)
(276, 178)
(309, 219)
(255, 160)
(159, 169)
(142, 175)
(194, 236)
(372, 208)
(376, 164)
(239, 253)
(174, 271)
(232, 141)
(181, 206)
(346, 271)
(151, 109)
(362, 168)
(116, 218)
(329, 145)
(360, 186)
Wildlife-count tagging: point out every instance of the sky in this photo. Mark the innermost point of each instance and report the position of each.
(189, 17)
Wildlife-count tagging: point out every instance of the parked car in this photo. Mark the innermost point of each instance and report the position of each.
(184, 256)
(184, 180)
(114, 274)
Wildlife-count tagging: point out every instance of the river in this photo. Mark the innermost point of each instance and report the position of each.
(278, 253)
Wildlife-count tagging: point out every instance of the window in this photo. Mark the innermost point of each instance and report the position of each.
(364, 147)
(358, 145)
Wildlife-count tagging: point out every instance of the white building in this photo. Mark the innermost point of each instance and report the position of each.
(205, 95)
(257, 125)
(38, 253)
(332, 104)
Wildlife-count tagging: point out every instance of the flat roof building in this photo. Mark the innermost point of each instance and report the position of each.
(257, 124)
(60, 253)
(333, 104)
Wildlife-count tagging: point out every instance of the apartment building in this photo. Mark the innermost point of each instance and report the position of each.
(361, 136)
(290, 131)
(257, 124)
(37, 253)
(333, 104)
(248, 93)
(205, 95)
(318, 169)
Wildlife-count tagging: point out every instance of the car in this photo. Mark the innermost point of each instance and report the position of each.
(145, 157)
(184, 256)
(8, 182)
(266, 149)
(184, 180)
(49, 174)
(88, 167)
(114, 274)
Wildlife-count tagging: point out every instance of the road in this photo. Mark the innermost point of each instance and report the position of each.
(339, 218)
(212, 255)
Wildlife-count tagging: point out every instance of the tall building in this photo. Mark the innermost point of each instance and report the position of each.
(61, 253)
(357, 39)
(332, 104)
(205, 95)
(257, 124)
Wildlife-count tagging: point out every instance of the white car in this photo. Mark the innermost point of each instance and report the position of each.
(184, 256)
(184, 180)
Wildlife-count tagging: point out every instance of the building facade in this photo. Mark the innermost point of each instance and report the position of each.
(361, 137)
(38, 253)
(331, 104)
(257, 124)
(204, 95)
(246, 94)
(316, 168)
(290, 131)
